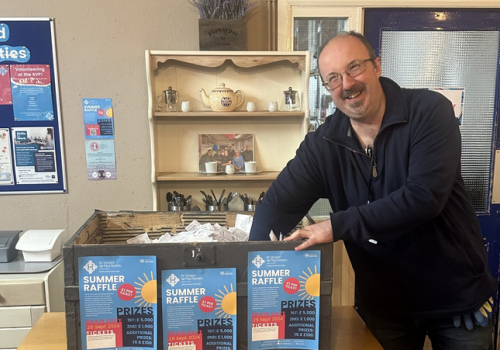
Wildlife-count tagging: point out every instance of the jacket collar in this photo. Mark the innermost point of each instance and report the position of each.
(339, 130)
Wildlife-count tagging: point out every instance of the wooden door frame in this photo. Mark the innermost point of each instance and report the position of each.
(286, 9)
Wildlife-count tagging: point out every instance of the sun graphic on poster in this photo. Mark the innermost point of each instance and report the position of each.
(309, 284)
(109, 111)
(146, 292)
(226, 303)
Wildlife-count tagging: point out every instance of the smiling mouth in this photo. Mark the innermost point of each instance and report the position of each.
(354, 95)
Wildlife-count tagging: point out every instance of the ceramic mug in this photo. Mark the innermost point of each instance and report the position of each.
(211, 167)
(251, 167)
(185, 106)
(273, 106)
(251, 107)
(230, 169)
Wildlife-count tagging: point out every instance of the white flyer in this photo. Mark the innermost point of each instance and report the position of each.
(6, 177)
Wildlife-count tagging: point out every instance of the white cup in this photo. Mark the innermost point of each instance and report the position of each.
(251, 167)
(273, 106)
(230, 169)
(251, 107)
(211, 167)
(185, 106)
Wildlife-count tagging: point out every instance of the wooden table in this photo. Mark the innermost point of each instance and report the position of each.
(348, 332)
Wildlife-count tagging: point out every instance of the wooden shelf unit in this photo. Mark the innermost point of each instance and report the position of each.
(236, 114)
(262, 176)
(262, 76)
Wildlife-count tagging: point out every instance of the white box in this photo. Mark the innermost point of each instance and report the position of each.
(40, 245)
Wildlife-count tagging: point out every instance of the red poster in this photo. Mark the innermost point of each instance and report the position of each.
(5, 93)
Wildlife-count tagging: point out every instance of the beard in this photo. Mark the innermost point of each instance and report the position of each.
(355, 108)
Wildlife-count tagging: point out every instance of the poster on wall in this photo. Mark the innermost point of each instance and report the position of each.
(30, 108)
(283, 299)
(456, 96)
(199, 309)
(5, 92)
(101, 164)
(99, 138)
(5, 158)
(34, 155)
(98, 118)
(118, 307)
(31, 92)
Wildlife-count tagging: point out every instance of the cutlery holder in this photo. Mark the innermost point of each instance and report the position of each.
(216, 207)
(179, 207)
(250, 207)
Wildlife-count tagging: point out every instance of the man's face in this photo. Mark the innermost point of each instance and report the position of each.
(209, 152)
(248, 147)
(359, 97)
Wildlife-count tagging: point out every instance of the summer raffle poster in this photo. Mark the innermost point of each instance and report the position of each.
(118, 306)
(99, 138)
(283, 299)
(199, 309)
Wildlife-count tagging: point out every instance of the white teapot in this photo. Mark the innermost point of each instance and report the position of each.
(222, 99)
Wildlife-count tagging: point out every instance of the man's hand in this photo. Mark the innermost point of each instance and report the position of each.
(479, 317)
(315, 234)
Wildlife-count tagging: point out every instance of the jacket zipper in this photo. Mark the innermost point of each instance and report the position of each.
(373, 163)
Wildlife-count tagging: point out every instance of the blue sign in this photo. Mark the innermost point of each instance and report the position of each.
(118, 306)
(283, 299)
(199, 309)
(98, 118)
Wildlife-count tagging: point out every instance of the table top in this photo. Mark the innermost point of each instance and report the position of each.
(348, 332)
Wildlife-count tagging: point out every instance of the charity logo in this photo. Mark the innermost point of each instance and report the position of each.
(90, 266)
(172, 280)
(3, 71)
(86, 102)
(258, 261)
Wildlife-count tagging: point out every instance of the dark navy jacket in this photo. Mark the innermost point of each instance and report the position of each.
(429, 258)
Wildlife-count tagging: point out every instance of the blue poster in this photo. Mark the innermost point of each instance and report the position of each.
(118, 306)
(31, 92)
(98, 118)
(199, 309)
(283, 299)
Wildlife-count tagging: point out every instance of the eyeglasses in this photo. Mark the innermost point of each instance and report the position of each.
(353, 69)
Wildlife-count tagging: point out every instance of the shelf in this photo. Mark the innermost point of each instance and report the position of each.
(263, 176)
(210, 114)
(244, 59)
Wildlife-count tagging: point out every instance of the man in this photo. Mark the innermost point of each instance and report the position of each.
(388, 160)
(247, 154)
(231, 151)
(205, 158)
(219, 157)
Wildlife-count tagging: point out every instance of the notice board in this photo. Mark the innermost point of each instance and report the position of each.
(31, 142)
